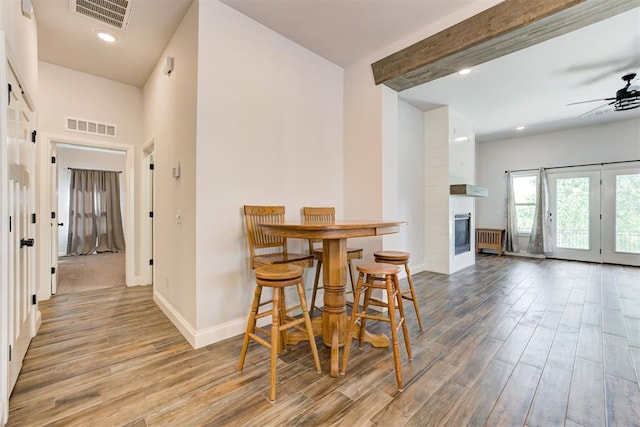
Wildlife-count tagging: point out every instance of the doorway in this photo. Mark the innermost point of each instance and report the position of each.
(595, 214)
(90, 151)
(97, 270)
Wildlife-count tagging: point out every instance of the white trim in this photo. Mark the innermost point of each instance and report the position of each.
(178, 321)
(44, 291)
(147, 186)
(226, 330)
(414, 270)
(524, 254)
(199, 339)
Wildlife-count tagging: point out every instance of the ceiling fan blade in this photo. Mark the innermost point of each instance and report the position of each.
(590, 112)
(592, 100)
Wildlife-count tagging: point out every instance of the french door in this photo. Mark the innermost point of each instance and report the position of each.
(595, 215)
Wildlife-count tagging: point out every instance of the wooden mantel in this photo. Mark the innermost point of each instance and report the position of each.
(502, 29)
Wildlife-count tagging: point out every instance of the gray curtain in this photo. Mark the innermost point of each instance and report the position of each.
(540, 238)
(511, 234)
(95, 221)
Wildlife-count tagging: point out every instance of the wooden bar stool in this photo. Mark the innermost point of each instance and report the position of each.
(277, 277)
(401, 258)
(378, 276)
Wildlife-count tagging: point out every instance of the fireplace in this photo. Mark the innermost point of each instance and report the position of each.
(462, 232)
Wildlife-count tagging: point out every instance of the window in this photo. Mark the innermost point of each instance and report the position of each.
(524, 192)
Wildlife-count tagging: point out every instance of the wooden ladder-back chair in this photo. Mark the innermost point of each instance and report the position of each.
(325, 215)
(265, 249)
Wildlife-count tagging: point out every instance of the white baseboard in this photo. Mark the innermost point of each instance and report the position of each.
(525, 255)
(138, 281)
(225, 330)
(199, 339)
(3, 412)
(178, 321)
(415, 269)
(38, 321)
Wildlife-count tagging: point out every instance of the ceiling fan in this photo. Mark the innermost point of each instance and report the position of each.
(626, 98)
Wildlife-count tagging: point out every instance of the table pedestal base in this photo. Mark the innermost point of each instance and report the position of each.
(337, 339)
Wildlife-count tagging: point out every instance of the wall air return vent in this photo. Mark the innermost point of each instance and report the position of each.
(91, 127)
(115, 13)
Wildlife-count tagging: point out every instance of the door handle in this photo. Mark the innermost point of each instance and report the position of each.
(26, 242)
(61, 224)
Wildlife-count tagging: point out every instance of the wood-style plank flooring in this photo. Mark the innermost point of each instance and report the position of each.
(510, 341)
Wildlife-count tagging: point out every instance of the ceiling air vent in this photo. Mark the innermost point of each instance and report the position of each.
(115, 13)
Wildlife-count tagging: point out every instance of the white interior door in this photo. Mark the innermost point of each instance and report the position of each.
(574, 202)
(21, 204)
(621, 216)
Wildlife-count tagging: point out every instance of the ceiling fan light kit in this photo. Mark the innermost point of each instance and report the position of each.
(628, 97)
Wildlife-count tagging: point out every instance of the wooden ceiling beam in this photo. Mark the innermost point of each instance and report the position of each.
(502, 29)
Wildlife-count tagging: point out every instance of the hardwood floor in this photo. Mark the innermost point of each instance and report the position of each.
(510, 341)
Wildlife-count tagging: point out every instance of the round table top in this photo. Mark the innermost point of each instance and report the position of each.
(333, 230)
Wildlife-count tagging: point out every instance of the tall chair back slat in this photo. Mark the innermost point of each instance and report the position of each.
(324, 215)
(272, 249)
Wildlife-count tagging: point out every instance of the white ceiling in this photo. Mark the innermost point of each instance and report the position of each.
(530, 87)
(68, 39)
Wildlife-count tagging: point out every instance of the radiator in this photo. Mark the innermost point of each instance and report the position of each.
(489, 238)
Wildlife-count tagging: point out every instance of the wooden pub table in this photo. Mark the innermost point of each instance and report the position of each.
(333, 322)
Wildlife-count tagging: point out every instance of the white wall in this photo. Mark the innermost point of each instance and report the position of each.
(411, 180)
(67, 92)
(366, 116)
(610, 142)
(269, 132)
(21, 36)
(170, 118)
(82, 158)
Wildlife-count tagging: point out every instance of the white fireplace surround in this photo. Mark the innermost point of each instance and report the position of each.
(448, 161)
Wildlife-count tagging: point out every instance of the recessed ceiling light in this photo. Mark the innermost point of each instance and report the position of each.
(106, 37)
(520, 128)
(464, 71)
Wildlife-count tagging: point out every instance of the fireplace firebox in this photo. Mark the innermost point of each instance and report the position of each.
(462, 230)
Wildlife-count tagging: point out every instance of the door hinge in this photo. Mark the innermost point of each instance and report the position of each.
(9, 344)
(151, 261)
(151, 214)
(9, 100)
(33, 136)
(10, 220)
(150, 166)
(33, 218)
(33, 299)
(26, 242)
(53, 215)
(53, 270)
(53, 159)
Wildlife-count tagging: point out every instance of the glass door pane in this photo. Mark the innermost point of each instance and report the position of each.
(628, 213)
(574, 201)
(621, 216)
(572, 213)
